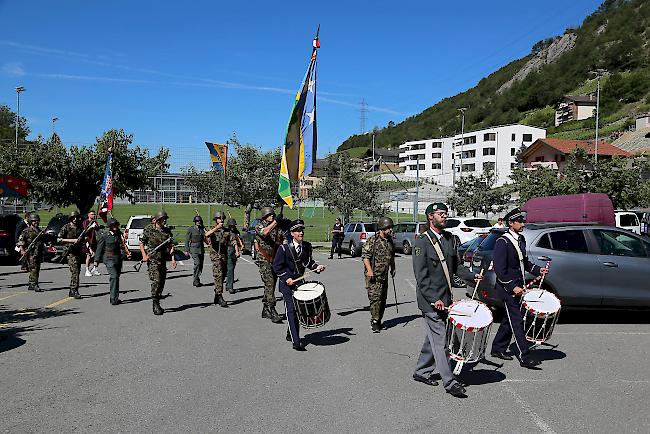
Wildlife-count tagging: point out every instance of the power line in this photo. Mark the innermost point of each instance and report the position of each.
(363, 111)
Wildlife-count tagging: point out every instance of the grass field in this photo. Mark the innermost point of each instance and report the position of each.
(318, 220)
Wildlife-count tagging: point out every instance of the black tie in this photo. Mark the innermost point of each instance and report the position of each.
(298, 249)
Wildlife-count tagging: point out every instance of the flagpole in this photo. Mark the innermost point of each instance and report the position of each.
(223, 187)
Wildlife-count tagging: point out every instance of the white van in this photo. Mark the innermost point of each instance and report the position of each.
(133, 230)
(628, 220)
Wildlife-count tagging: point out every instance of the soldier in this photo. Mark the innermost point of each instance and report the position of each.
(109, 251)
(218, 239)
(234, 251)
(194, 246)
(90, 245)
(152, 236)
(69, 234)
(378, 257)
(32, 249)
(268, 237)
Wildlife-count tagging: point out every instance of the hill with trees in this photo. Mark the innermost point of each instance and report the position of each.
(615, 38)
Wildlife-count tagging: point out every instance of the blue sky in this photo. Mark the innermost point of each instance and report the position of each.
(176, 74)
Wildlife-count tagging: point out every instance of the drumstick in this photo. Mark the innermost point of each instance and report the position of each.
(477, 283)
(305, 274)
(548, 264)
(455, 312)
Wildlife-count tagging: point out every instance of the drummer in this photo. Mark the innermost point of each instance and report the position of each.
(289, 264)
(435, 261)
(510, 264)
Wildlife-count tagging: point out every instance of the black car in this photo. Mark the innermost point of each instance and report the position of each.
(248, 238)
(8, 237)
(52, 249)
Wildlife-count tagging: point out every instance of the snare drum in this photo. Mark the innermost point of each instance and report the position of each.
(311, 305)
(468, 328)
(542, 310)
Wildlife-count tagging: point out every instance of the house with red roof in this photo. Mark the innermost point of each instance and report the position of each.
(553, 153)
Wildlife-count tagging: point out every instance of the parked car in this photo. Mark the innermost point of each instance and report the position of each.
(52, 249)
(133, 230)
(8, 224)
(628, 220)
(466, 250)
(355, 236)
(404, 235)
(466, 228)
(591, 265)
(248, 238)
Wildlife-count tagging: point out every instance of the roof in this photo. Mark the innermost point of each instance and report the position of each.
(567, 146)
(584, 99)
(635, 142)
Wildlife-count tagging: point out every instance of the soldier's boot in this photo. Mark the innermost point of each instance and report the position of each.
(30, 287)
(266, 313)
(374, 326)
(76, 294)
(218, 299)
(157, 310)
(275, 316)
(37, 288)
(71, 293)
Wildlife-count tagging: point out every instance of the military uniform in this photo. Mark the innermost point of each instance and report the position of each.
(109, 251)
(231, 261)
(151, 237)
(266, 246)
(219, 242)
(34, 257)
(381, 254)
(75, 255)
(194, 246)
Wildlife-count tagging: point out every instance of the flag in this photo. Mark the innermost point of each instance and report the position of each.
(219, 156)
(106, 195)
(300, 144)
(10, 186)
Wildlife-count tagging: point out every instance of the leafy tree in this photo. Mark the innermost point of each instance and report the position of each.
(345, 189)
(252, 179)
(72, 176)
(8, 127)
(476, 193)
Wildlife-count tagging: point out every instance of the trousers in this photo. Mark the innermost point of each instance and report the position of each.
(269, 279)
(513, 321)
(157, 275)
(336, 245)
(434, 356)
(198, 266)
(292, 318)
(230, 271)
(74, 262)
(377, 293)
(114, 271)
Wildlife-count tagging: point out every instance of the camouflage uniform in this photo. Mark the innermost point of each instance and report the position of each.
(267, 245)
(219, 242)
(34, 258)
(75, 255)
(231, 262)
(380, 252)
(151, 237)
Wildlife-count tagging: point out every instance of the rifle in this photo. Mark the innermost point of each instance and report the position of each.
(138, 264)
(31, 246)
(78, 240)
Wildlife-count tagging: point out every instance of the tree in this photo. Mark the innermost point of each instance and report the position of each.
(345, 189)
(8, 127)
(252, 179)
(476, 193)
(72, 176)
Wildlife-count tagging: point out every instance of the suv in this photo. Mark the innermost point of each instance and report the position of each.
(133, 230)
(355, 236)
(404, 235)
(467, 228)
(592, 265)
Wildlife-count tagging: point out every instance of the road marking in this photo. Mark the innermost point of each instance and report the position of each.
(56, 303)
(410, 282)
(246, 260)
(13, 295)
(543, 426)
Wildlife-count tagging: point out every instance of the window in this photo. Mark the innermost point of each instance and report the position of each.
(416, 146)
(544, 242)
(489, 137)
(436, 145)
(488, 165)
(469, 167)
(569, 241)
(349, 227)
(469, 154)
(513, 151)
(417, 157)
(478, 223)
(528, 137)
(628, 220)
(619, 244)
(513, 166)
(513, 137)
(469, 140)
(436, 155)
(370, 227)
(358, 228)
(489, 151)
(413, 167)
(452, 223)
(436, 166)
(540, 158)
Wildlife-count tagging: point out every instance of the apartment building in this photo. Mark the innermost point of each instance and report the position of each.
(473, 152)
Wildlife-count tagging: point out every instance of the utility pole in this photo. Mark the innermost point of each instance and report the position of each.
(19, 89)
(599, 73)
(417, 190)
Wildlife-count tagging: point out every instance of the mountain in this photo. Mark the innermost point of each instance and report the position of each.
(616, 38)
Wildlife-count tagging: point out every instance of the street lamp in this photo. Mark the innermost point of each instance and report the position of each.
(53, 120)
(598, 73)
(19, 89)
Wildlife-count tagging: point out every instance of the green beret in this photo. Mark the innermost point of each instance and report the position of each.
(438, 206)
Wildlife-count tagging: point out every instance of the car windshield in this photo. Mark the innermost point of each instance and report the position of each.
(488, 242)
(478, 223)
(370, 227)
(139, 223)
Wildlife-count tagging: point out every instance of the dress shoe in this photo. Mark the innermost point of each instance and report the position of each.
(530, 364)
(427, 381)
(218, 299)
(299, 347)
(457, 390)
(502, 356)
(275, 316)
(157, 310)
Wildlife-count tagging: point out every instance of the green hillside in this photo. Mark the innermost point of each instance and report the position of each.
(616, 38)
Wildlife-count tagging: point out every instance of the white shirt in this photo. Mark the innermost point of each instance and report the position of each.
(499, 225)
(514, 234)
(296, 244)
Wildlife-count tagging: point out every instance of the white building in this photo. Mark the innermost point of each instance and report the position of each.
(475, 151)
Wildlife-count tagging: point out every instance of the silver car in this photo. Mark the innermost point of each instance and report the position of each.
(590, 265)
(355, 235)
(404, 235)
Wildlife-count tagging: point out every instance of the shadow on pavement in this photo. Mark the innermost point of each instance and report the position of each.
(178, 276)
(604, 316)
(476, 377)
(59, 288)
(188, 306)
(351, 311)
(103, 294)
(543, 354)
(249, 288)
(10, 337)
(330, 337)
(243, 300)
(393, 322)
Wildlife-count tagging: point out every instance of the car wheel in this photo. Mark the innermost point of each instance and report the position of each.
(353, 249)
(406, 248)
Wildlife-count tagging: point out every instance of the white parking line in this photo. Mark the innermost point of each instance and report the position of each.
(246, 260)
(543, 426)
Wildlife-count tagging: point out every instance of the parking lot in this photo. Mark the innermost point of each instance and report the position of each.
(86, 366)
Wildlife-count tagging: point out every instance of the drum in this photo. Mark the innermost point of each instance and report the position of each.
(468, 328)
(542, 310)
(311, 305)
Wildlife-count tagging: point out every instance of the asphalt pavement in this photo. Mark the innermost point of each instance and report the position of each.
(86, 366)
